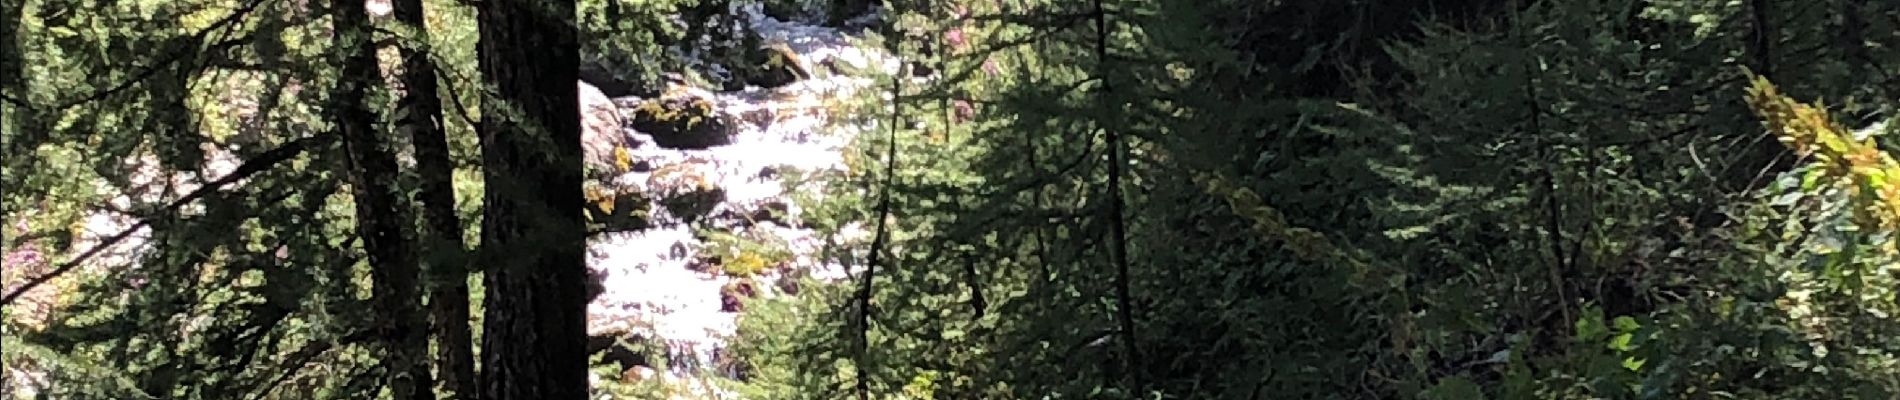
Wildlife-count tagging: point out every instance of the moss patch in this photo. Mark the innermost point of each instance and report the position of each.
(742, 256)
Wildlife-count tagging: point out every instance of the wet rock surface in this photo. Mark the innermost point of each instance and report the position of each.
(601, 133)
(776, 65)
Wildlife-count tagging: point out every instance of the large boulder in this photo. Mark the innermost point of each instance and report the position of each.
(604, 143)
(682, 119)
(688, 189)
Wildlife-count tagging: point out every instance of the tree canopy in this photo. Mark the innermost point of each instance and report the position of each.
(949, 199)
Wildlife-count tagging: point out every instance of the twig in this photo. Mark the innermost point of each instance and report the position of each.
(461, 110)
(17, 102)
(1553, 210)
(1086, 342)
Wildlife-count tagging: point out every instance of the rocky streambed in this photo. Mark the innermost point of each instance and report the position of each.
(721, 221)
(698, 198)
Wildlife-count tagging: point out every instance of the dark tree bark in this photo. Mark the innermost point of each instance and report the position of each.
(1118, 224)
(533, 232)
(382, 215)
(448, 266)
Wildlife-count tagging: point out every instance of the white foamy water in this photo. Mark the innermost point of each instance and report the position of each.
(650, 285)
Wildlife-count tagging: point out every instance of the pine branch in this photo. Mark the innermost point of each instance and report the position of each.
(250, 167)
(296, 362)
(175, 57)
(1031, 182)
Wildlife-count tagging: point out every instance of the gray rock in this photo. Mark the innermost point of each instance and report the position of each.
(601, 134)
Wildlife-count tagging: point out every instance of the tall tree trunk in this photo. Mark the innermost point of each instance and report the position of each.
(1118, 223)
(533, 232)
(382, 215)
(448, 265)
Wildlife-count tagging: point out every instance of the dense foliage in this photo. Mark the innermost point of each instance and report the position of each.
(1449, 199)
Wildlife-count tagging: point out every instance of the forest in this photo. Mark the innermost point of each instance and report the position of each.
(949, 199)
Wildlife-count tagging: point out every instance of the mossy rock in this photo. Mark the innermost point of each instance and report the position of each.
(682, 122)
(746, 254)
(612, 211)
(687, 189)
(746, 263)
(604, 142)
